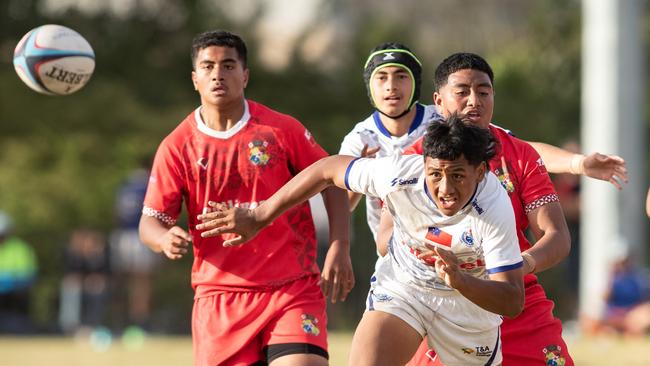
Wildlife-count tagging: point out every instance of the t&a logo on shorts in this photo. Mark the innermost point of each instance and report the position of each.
(309, 324)
(258, 154)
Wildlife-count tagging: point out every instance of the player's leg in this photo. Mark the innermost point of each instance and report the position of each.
(383, 339)
(297, 333)
(535, 336)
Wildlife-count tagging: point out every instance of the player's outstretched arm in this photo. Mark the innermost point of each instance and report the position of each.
(173, 241)
(355, 197)
(502, 294)
(337, 277)
(246, 222)
(609, 168)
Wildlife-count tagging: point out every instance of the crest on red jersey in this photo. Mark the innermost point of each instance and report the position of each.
(258, 154)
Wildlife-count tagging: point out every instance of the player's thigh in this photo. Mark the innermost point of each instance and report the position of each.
(383, 339)
(298, 330)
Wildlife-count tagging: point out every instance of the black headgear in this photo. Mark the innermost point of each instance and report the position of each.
(394, 57)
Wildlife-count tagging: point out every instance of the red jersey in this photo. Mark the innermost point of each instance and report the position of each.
(521, 172)
(240, 167)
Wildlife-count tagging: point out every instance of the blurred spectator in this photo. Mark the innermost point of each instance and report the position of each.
(628, 303)
(132, 261)
(18, 268)
(84, 289)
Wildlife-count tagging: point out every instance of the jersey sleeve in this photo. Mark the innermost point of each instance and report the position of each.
(369, 176)
(352, 144)
(500, 243)
(164, 196)
(301, 147)
(536, 188)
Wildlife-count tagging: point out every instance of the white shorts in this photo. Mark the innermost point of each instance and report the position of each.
(458, 330)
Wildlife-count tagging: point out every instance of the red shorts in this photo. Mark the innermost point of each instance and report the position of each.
(534, 338)
(233, 328)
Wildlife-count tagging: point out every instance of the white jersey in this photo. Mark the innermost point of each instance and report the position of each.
(482, 234)
(372, 132)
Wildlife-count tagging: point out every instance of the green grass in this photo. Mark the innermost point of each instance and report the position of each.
(164, 351)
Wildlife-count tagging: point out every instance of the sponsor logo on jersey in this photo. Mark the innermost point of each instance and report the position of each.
(438, 236)
(478, 208)
(472, 263)
(309, 324)
(467, 238)
(467, 350)
(203, 163)
(541, 166)
(257, 152)
(403, 182)
(388, 56)
(309, 137)
(553, 355)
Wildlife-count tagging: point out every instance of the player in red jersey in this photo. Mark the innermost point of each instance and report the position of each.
(258, 304)
(464, 83)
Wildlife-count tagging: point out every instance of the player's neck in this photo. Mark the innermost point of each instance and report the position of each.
(222, 118)
(398, 127)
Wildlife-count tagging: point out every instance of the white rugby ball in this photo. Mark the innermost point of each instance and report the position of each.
(54, 60)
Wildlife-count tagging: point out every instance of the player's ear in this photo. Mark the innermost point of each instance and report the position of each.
(481, 170)
(437, 100)
(246, 75)
(196, 86)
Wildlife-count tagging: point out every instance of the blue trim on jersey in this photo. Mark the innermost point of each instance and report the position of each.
(347, 173)
(417, 121)
(505, 268)
(496, 347)
(380, 126)
(419, 116)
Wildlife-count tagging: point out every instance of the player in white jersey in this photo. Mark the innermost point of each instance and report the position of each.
(393, 75)
(454, 264)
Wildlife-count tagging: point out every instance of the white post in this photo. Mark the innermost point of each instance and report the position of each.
(612, 97)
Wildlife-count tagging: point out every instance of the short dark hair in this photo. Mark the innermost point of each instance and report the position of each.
(460, 61)
(222, 39)
(455, 137)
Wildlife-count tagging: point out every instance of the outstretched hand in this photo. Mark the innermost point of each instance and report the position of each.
(610, 168)
(223, 220)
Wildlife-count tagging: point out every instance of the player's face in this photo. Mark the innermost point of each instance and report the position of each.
(452, 183)
(467, 92)
(391, 88)
(219, 76)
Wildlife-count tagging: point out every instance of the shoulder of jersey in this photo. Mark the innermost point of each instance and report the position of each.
(405, 171)
(266, 115)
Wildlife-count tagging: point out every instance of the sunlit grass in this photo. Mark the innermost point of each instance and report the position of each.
(168, 351)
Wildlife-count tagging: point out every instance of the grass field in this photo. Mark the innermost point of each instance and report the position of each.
(168, 351)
